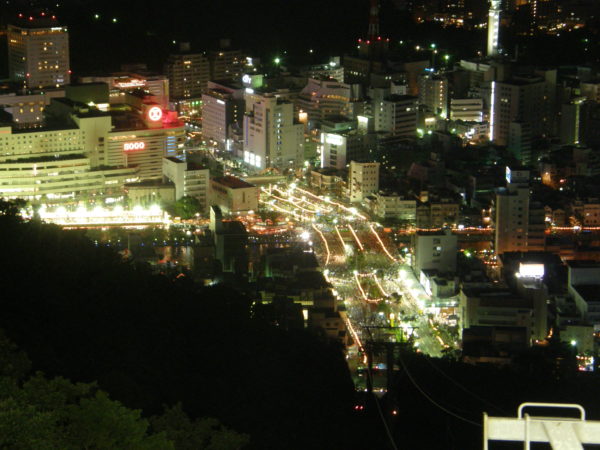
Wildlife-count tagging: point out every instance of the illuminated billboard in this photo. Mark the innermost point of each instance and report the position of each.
(131, 146)
(531, 270)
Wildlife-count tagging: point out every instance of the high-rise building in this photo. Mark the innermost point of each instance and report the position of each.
(493, 28)
(272, 138)
(38, 52)
(519, 141)
(188, 74)
(219, 111)
(363, 179)
(570, 121)
(433, 94)
(522, 99)
(226, 63)
(519, 221)
(397, 115)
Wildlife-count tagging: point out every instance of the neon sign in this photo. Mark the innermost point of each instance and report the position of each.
(155, 114)
(130, 84)
(129, 146)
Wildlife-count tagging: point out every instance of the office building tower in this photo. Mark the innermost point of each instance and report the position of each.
(188, 74)
(433, 94)
(521, 99)
(271, 136)
(219, 111)
(493, 28)
(397, 115)
(519, 221)
(38, 52)
(363, 179)
(226, 63)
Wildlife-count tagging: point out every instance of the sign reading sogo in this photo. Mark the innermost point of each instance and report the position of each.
(129, 146)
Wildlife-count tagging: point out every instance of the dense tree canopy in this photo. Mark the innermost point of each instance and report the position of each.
(80, 312)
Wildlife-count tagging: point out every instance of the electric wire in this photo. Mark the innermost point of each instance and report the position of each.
(468, 391)
(431, 400)
(385, 424)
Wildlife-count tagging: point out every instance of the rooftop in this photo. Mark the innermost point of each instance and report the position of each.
(232, 182)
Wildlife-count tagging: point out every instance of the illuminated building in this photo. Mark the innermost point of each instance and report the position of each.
(519, 221)
(85, 150)
(127, 82)
(386, 205)
(340, 146)
(219, 111)
(496, 306)
(188, 74)
(38, 52)
(570, 121)
(331, 70)
(363, 179)
(433, 94)
(397, 115)
(233, 195)
(466, 109)
(272, 138)
(27, 110)
(435, 250)
(226, 63)
(190, 179)
(520, 99)
(493, 28)
(323, 98)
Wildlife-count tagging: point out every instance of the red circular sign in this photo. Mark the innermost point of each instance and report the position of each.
(155, 114)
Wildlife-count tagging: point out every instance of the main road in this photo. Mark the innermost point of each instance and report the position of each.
(368, 275)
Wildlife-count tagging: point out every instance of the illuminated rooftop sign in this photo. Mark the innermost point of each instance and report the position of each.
(531, 270)
(155, 114)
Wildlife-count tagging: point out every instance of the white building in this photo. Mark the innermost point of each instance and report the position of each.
(523, 99)
(323, 98)
(87, 150)
(233, 195)
(363, 179)
(189, 179)
(519, 222)
(396, 114)
(435, 250)
(38, 53)
(271, 136)
(340, 147)
(394, 206)
(28, 109)
(219, 111)
(493, 39)
(466, 109)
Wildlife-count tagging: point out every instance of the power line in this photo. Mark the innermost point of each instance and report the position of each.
(387, 429)
(370, 375)
(468, 391)
(447, 411)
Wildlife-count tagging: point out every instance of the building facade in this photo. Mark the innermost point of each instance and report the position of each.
(38, 53)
